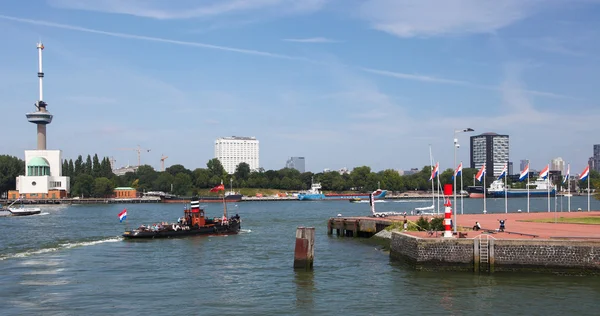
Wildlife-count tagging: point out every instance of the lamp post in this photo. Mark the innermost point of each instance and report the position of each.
(456, 145)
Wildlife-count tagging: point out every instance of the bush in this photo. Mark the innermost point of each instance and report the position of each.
(422, 224)
(437, 224)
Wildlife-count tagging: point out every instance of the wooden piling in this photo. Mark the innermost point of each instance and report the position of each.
(304, 252)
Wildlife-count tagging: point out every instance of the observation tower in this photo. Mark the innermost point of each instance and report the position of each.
(41, 117)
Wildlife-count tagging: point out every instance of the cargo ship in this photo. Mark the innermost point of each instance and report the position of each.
(539, 188)
(315, 194)
(230, 196)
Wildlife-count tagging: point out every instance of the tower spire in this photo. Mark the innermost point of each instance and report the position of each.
(41, 117)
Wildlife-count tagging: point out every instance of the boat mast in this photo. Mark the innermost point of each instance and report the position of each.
(432, 180)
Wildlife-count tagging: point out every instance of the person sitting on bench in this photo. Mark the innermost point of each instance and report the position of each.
(477, 226)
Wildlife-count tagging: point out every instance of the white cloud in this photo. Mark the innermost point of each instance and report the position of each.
(311, 40)
(408, 18)
(187, 9)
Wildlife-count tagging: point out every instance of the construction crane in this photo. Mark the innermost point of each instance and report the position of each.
(139, 150)
(162, 162)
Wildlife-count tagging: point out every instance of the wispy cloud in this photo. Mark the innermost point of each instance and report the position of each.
(187, 9)
(409, 18)
(551, 45)
(311, 40)
(386, 73)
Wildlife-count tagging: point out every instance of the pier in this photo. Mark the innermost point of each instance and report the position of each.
(524, 245)
(83, 201)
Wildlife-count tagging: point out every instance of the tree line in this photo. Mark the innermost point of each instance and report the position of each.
(93, 177)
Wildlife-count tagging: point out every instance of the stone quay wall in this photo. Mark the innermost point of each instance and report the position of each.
(461, 254)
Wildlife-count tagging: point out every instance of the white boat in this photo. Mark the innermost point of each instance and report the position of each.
(22, 211)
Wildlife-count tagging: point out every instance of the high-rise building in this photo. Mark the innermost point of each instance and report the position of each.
(297, 163)
(596, 158)
(510, 168)
(231, 151)
(43, 168)
(557, 164)
(522, 165)
(491, 149)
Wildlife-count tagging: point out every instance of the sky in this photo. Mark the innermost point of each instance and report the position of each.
(344, 83)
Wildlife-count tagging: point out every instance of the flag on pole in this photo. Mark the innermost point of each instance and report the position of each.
(434, 172)
(585, 173)
(567, 175)
(525, 173)
(503, 173)
(458, 171)
(218, 188)
(122, 215)
(544, 173)
(481, 173)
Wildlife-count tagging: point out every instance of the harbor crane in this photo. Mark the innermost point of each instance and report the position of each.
(162, 162)
(139, 150)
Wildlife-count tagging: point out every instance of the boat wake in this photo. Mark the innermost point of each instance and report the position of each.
(245, 231)
(59, 247)
(410, 201)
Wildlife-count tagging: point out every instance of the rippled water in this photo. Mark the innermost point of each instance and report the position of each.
(71, 261)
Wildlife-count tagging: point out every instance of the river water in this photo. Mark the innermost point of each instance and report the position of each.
(71, 261)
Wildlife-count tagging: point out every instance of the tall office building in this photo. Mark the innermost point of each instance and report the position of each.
(297, 163)
(522, 165)
(231, 151)
(491, 149)
(557, 164)
(596, 158)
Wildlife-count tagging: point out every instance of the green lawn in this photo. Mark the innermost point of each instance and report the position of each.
(570, 220)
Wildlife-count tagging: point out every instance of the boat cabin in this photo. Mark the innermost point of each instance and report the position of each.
(195, 215)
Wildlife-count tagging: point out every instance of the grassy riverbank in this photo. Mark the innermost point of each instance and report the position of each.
(573, 220)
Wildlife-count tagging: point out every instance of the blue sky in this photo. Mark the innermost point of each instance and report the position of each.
(344, 83)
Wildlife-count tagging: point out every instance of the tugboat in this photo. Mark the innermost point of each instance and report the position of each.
(193, 222)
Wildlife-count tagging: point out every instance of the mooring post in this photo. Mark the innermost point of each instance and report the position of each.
(492, 259)
(304, 253)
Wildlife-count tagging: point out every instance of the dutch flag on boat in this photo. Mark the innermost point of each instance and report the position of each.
(567, 174)
(544, 173)
(585, 173)
(504, 171)
(434, 173)
(481, 173)
(123, 215)
(458, 171)
(525, 173)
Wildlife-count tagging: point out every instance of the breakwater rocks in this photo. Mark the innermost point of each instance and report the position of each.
(486, 254)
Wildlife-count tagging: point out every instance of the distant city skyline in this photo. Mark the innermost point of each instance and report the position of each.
(365, 83)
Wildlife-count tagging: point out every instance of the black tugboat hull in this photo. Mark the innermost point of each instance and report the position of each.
(232, 228)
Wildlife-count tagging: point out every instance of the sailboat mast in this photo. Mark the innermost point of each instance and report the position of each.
(432, 180)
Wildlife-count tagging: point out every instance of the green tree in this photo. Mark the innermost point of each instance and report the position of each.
(88, 165)
(10, 168)
(163, 182)
(83, 186)
(146, 175)
(79, 166)
(182, 184)
(71, 168)
(103, 188)
(175, 169)
(242, 171)
(96, 170)
(201, 178)
(216, 168)
(359, 177)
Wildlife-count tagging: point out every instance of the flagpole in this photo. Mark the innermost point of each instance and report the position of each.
(484, 190)
(461, 189)
(588, 178)
(569, 187)
(438, 185)
(528, 186)
(548, 177)
(505, 192)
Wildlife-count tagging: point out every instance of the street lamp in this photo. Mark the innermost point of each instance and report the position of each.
(456, 145)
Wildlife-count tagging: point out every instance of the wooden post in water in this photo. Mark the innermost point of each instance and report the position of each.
(304, 252)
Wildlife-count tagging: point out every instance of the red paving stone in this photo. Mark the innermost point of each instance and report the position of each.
(515, 222)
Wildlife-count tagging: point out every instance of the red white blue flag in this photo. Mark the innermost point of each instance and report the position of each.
(585, 174)
(123, 215)
(481, 173)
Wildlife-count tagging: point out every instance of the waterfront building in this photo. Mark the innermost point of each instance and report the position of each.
(297, 163)
(491, 149)
(43, 168)
(231, 151)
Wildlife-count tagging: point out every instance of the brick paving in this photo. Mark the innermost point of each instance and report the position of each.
(515, 223)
